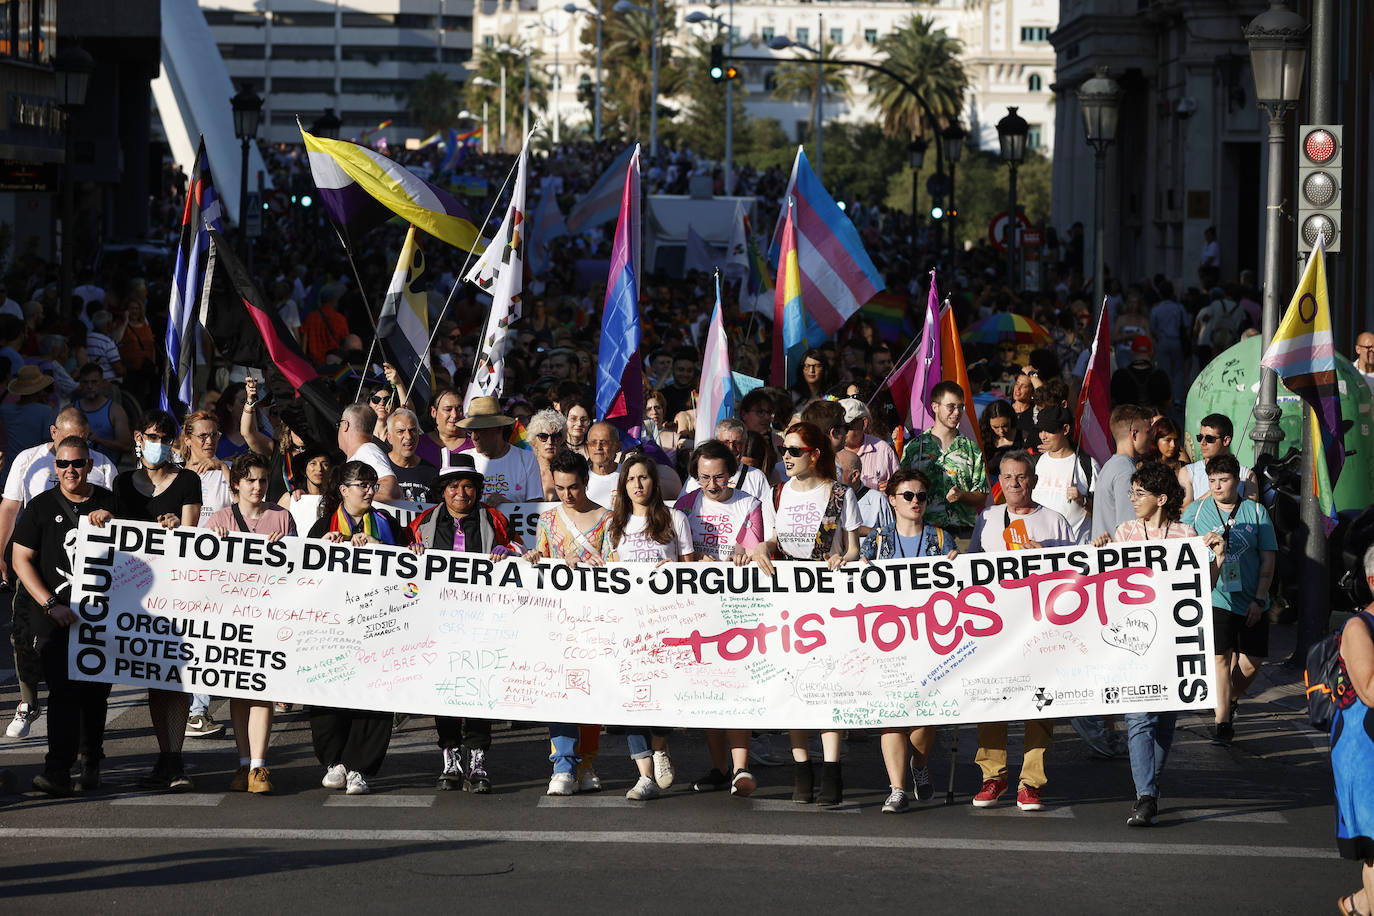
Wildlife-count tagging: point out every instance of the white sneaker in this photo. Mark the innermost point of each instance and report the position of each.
(19, 726)
(356, 784)
(562, 784)
(663, 770)
(645, 789)
(587, 780)
(336, 777)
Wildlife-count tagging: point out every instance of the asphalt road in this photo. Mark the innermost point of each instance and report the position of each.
(1243, 829)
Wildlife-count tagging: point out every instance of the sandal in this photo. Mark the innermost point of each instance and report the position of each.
(1347, 910)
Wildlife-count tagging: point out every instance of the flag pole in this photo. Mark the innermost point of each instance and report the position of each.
(897, 363)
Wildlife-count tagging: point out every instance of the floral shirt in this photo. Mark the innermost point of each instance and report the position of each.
(558, 537)
(960, 465)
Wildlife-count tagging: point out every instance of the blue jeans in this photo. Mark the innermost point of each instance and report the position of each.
(1149, 735)
(563, 747)
(638, 740)
(200, 704)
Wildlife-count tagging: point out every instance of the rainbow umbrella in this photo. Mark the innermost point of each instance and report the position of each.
(1005, 327)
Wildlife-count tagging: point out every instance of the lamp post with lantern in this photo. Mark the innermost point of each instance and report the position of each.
(73, 67)
(1100, 100)
(247, 117)
(1012, 132)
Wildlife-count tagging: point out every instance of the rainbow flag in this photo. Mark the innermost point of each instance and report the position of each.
(1303, 354)
(888, 311)
(518, 437)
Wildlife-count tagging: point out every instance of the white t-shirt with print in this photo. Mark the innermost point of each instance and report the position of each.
(636, 544)
(799, 518)
(514, 476)
(716, 527)
(1053, 477)
(998, 530)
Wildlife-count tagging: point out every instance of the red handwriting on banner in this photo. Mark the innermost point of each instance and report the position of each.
(1087, 592)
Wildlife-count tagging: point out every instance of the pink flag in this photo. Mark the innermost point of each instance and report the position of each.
(1092, 420)
(927, 369)
(716, 393)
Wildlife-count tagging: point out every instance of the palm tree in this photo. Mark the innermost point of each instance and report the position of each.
(628, 61)
(434, 101)
(794, 80)
(928, 59)
(488, 63)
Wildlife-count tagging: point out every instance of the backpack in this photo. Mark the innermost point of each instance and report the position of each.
(1328, 685)
(1225, 327)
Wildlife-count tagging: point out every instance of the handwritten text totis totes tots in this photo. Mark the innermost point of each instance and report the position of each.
(1030, 634)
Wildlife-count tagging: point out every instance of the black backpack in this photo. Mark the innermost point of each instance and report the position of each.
(1328, 688)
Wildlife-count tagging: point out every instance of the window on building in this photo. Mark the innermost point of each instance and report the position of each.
(770, 81)
(302, 84)
(767, 34)
(837, 36)
(457, 24)
(241, 17)
(871, 36)
(301, 52)
(376, 54)
(28, 30)
(803, 35)
(241, 52)
(376, 87)
(369, 20)
(456, 55)
(488, 41)
(736, 35)
(1035, 33)
(303, 20)
(1034, 84)
(1035, 137)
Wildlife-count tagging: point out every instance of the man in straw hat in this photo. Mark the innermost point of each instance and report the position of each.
(511, 474)
(29, 419)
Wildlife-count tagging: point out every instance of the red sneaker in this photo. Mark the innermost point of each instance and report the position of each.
(1028, 799)
(991, 791)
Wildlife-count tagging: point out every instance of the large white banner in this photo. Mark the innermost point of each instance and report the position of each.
(1028, 634)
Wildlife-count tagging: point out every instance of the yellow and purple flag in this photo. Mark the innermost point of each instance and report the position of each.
(1303, 354)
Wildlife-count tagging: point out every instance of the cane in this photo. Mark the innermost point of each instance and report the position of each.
(953, 754)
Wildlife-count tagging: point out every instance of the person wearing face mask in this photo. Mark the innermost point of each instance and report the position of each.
(159, 491)
(252, 513)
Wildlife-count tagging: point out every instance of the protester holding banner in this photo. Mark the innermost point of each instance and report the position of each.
(908, 535)
(1158, 501)
(248, 477)
(76, 709)
(462, 524)
(732, 433)
(1021, 524)
(511, 474)
(351, 743)
(817, 518)
(1241, 595)
(953, 463)
(577, 530)
(643, 529)
(546, 430)
(355, 441)
(158, 491)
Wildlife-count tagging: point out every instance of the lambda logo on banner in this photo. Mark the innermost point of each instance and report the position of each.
(1075, 697)
(1132, 693)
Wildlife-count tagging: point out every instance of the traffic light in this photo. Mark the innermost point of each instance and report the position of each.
(1319, 186)
(731, 72)
(937, 212)
(717, 63)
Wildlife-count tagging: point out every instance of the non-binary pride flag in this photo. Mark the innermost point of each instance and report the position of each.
(202, 210)
(619, 377)
(1092, 421)
(353, 180)
(1303, 353)
(837, 275)
(403, 323)
(602, 202)
(789, 323)
(500, 271)
(716, 395)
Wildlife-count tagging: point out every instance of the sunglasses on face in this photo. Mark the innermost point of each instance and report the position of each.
(545, 437)
(1203, 437)
(64, 463)
(796, 451)
(379, 399)
(909, 495)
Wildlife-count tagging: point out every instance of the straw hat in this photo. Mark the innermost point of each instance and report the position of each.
(28, 380)
(485, 413)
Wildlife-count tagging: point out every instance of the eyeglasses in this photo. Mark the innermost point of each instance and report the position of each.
(545, 437)
(795, 451)
(64, 463)
(361, 485)
(1203, 437)
(205, 437)
(457, 336)
(919, 496)
(1136, 496)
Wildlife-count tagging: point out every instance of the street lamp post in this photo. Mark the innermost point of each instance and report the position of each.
(953, 141)
(504, 50)
(1100, 99)
(698, 16)
(1278, 54)
(487, 84)
(916, 151)
(820, 93)
(624, 6)
(1012, 132)
(595, 14)
(525, 116)
(73, 67)
(247, 116)
(327, 125)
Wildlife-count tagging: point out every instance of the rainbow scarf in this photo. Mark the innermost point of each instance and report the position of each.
(373, 524)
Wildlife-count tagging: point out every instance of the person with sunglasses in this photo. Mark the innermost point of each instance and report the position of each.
(907, 535)
(1157, 499)
(547, 431)
(351, 743)
(76, 709)
(1241, 594)
(816, 518)
(1213, 439)
(158, 491)
(251, 512)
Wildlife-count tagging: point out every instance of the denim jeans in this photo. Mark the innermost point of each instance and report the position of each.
(200, 704)
(638, 740)
(1149, 735)
(563, 747)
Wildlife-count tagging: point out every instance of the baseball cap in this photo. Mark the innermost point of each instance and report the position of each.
(1054, 418)
(854, 409)
(1142, 344)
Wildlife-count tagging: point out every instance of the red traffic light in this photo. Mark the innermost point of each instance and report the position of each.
(1319, 146)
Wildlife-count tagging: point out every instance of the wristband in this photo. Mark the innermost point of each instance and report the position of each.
(51, 603)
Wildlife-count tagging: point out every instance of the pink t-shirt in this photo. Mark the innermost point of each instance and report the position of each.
(1134, 530)
(718, 526)
(275, 520)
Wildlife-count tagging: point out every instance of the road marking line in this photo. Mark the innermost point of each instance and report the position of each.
(1230, 815)
(667, 838)
(379, 801)
(190, 800)
(1061, 811)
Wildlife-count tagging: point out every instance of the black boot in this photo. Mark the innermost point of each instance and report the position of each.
(832, 784)
(803, 782)
(157, 779)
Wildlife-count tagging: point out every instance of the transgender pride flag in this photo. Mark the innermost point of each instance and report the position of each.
(716, 394)
(619, 378)
(837, 275)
